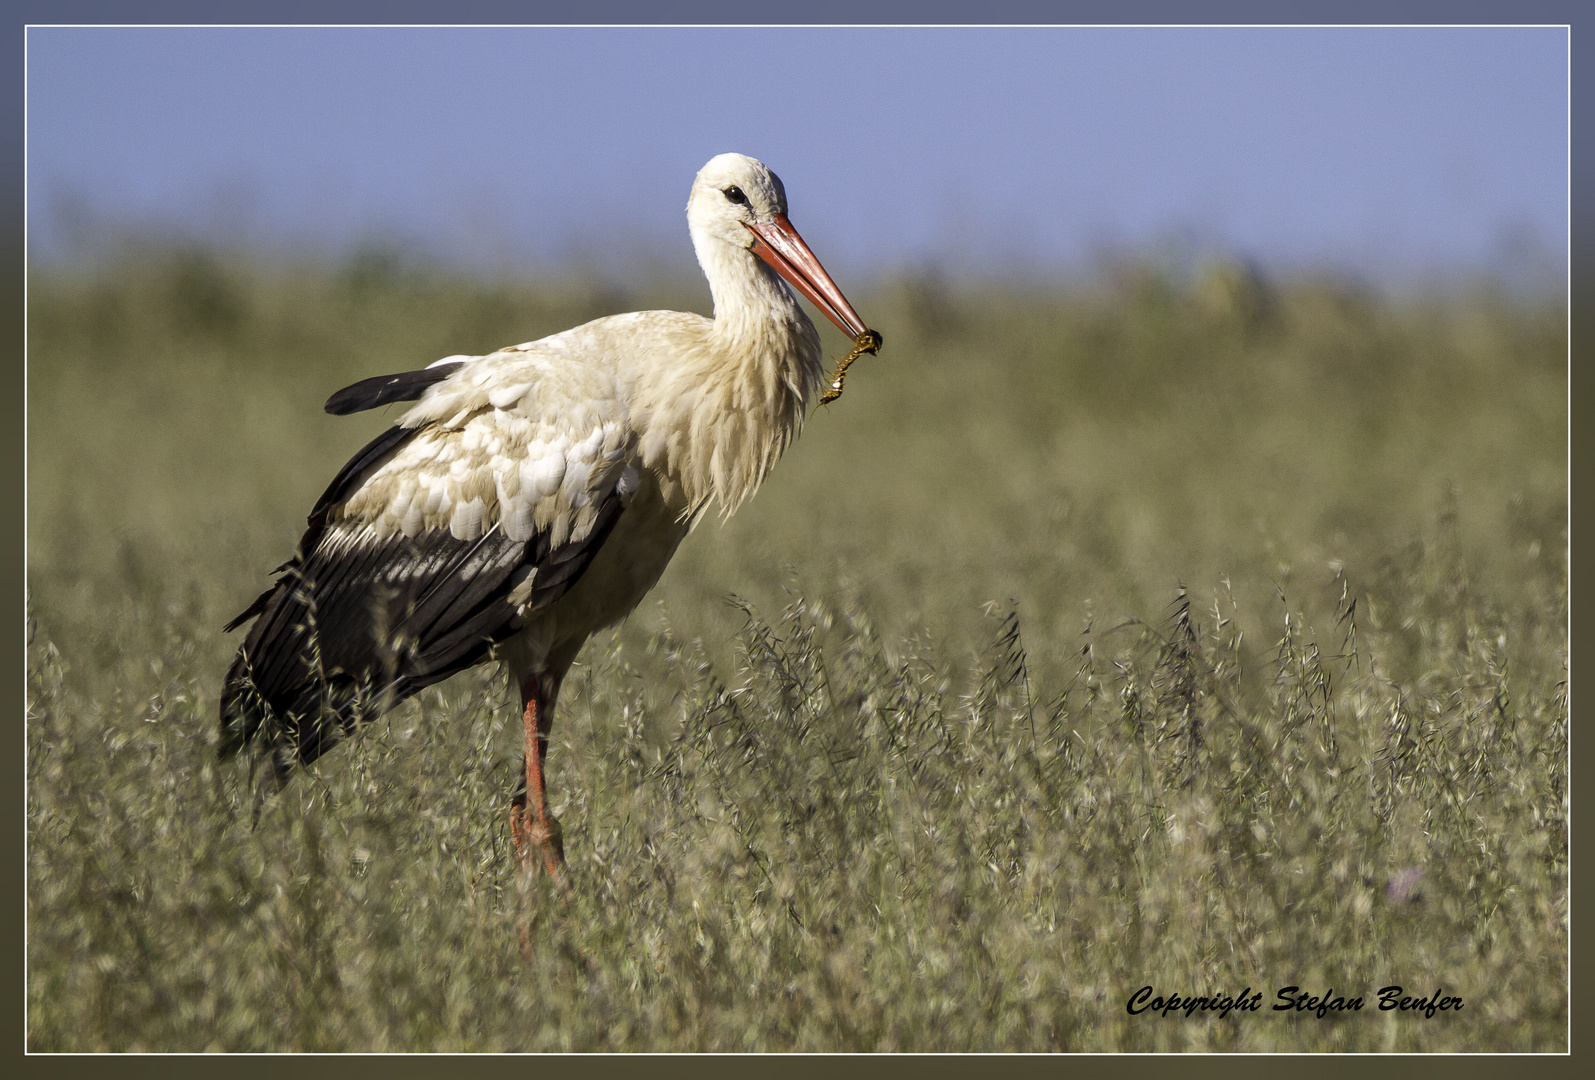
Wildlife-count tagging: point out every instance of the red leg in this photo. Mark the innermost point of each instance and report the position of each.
(530, 821)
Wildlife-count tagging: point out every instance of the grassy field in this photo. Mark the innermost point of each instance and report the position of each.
(1193, 632)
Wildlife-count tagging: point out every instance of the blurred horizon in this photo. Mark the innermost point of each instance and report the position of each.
(1396, 157)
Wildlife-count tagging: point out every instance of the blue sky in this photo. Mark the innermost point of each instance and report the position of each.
(1391, 153)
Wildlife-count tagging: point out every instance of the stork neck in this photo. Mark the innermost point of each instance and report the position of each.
(720, 415)
(753, 308)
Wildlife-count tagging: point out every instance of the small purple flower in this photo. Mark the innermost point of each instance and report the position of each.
(1403, 887)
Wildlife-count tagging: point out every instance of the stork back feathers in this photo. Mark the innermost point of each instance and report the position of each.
(361, 619)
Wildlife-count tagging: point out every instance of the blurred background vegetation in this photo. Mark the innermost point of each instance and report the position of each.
(1149, 628)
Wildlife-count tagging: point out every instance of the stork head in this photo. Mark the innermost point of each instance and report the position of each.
(738, 202)
(730, 193)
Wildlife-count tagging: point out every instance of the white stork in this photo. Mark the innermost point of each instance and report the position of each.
(534, 495)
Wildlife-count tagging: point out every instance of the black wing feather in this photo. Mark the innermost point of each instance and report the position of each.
(348, 631)
(386, 389)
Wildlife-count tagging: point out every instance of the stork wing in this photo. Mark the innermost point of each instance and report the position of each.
(386, 389)
(434, 542)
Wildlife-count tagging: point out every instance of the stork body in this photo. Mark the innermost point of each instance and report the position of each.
(535, 495)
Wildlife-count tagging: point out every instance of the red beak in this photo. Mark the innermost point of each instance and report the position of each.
(778, 243)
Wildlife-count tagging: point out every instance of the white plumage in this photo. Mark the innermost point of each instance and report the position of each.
(534, 495)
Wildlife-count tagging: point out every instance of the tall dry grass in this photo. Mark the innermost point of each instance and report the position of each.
(1199, 634)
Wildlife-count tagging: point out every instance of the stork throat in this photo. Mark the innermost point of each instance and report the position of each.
(870, 342)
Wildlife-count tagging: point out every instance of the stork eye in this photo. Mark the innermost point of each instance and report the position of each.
(734, 193)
